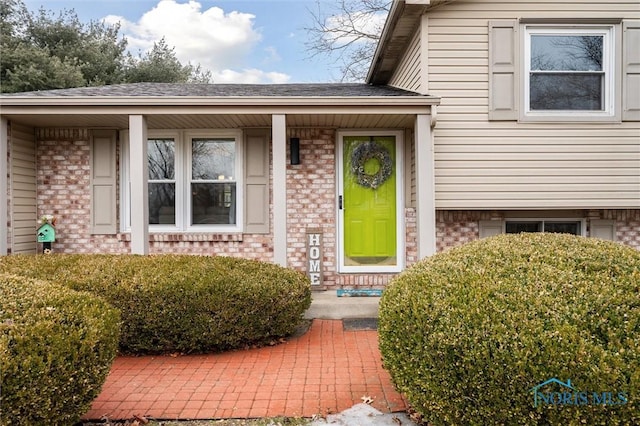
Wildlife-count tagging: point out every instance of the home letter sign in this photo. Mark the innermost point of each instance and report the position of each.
(314, 256)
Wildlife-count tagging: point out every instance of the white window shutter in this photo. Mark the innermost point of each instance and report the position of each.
(256, 182)
(631, 71)
(103, 182)
(603, 229)
(490, 228)
(504, 81)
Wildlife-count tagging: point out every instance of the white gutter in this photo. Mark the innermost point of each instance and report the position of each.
(159, 101)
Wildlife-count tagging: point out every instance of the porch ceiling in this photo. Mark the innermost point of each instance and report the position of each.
(213, 121)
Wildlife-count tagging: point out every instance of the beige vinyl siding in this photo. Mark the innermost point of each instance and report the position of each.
(510, 165)
(22, 185)
(407, 74)
(410, 169)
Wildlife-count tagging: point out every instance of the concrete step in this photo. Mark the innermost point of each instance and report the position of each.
(327, 305)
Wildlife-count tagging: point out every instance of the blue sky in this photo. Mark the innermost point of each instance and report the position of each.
(240, 41)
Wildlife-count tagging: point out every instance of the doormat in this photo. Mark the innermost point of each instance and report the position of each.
(358, 292)
(354, 324)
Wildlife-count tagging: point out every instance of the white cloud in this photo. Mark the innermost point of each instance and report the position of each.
(249, 76)
(216, 40)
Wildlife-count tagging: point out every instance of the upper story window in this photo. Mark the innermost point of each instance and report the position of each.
(551, 70)
(569, 72)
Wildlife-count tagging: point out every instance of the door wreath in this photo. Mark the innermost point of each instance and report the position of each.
(371, 151)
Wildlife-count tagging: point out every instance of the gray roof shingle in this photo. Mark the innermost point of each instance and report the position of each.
(305, 90)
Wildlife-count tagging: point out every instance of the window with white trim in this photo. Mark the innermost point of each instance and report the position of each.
(569, 71)
(213, 181)
(562, 226)
(194, 181)
(161, 155)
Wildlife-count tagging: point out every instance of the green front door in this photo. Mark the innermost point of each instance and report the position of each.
(369, 202)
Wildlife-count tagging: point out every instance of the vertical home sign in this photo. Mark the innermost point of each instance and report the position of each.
(314, 255)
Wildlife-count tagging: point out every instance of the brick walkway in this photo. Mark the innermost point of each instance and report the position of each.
(325, 371)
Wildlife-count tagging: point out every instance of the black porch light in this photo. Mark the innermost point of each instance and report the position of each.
(294, 151)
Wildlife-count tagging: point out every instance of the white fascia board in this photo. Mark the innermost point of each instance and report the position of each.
(332, 101)
(414, 105)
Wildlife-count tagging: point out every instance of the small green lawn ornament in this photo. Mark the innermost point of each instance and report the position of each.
(46, 235)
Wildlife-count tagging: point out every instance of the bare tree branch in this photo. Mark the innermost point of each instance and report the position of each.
(347, 33)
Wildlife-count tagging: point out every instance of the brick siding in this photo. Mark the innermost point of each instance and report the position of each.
(63, 180)
(454, 228)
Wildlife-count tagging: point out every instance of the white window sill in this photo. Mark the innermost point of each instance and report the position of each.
(569, 118)
(187, 236)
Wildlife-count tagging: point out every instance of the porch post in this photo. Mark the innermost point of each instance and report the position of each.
(279, 137)
(138, 171)
(425, 187)
(4, 205)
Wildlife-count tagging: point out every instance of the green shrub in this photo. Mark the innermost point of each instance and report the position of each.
(56, 349)
(180, 303)
(467, 334)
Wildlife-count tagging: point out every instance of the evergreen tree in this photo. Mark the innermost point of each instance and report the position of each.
(160, 65)
(43, 51)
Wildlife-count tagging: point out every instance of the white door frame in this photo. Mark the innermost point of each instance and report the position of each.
(400, 219)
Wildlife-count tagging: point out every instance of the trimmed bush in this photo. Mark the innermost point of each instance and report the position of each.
(468, 334)
(181, 303)
(56, 348)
